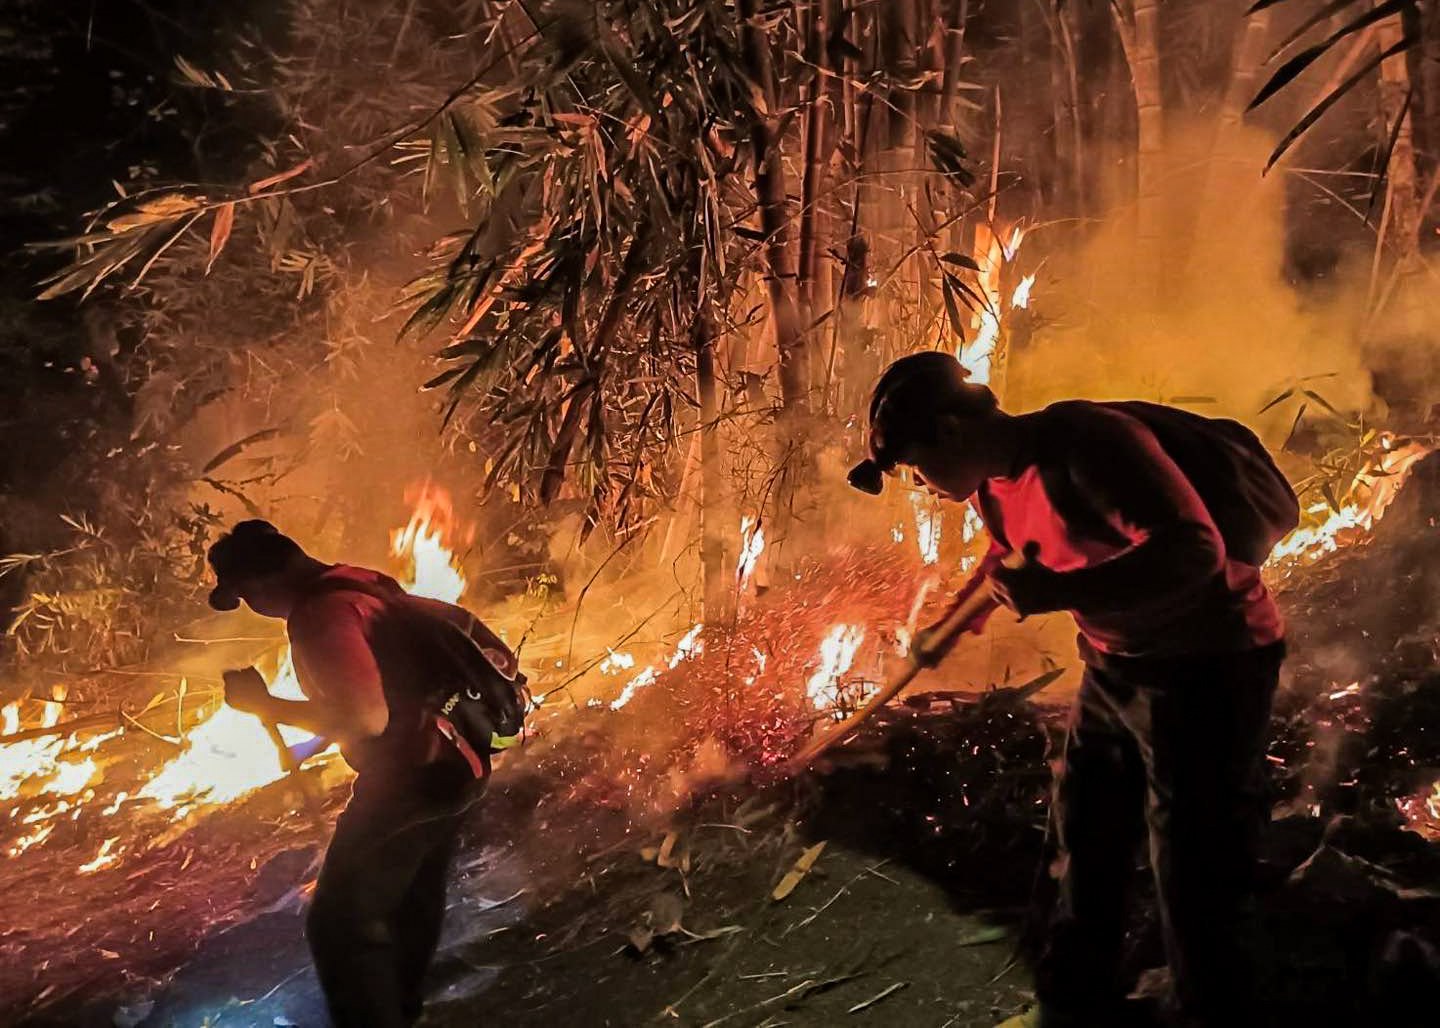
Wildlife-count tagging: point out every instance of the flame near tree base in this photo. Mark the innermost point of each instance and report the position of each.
(820, 650)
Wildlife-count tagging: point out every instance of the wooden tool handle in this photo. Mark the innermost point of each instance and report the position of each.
(960, 616)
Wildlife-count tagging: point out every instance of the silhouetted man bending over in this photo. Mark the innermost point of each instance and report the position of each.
(1182, 647)
(375, 918)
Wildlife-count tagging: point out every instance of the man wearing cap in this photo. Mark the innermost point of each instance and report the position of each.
(375, 918)
(1182, 647)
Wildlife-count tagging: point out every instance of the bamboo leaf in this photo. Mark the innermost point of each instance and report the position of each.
(236, 448)
(1279, 399)
(1384, 164)
(220, 232)
(440, 379)
(797, 873)
(1318, 111)
(1326, 404)
(951, 310)
(1293, 67)
(1325, 11)
(960, 259)
(260, 185)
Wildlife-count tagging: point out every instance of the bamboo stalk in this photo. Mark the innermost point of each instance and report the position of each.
(770, 195)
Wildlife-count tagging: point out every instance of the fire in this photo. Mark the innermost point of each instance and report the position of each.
(976, 357)
(837, 656)
(752, 544)
(927, 528)
(633, 686)
(36, 763)
(973, 525)
(1378, 486)
(1021, 297)
(690, 645)
(427, 543)
(228, 755)
(1422, 811)
(613, 663)
(36, 837)
(992, 253)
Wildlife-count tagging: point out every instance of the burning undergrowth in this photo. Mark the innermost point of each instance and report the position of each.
(952, 784)
(736, 699)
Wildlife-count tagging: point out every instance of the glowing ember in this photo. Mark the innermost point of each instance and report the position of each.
(689, 646)
(33, 839)
(614, 663)
(1377, 487)
(927, 527)
(837, 655)
(108, 855)
(1422, 812)
(633, 686)
(426, 543)
(752, 544)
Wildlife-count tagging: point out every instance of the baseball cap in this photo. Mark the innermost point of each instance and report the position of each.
(910, 394)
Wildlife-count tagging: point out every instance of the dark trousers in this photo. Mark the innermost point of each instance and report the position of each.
(1176, 747)
(375, 919)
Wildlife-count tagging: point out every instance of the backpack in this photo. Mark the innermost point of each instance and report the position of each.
(433, 670)
(1247, 496)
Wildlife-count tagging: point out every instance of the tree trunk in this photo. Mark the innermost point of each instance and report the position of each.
(770, 195)
(819, 144)
(712, 484)
(1065, 98)
(1395, 93)
(1249, 53)
(1226, 150)
(1145, 71)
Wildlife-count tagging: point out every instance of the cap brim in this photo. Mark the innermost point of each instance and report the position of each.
(867, 477)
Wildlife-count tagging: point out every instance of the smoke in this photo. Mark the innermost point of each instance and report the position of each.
(1203, 315)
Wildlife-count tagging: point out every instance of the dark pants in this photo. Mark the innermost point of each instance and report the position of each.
(375, 919)
(1178, 747)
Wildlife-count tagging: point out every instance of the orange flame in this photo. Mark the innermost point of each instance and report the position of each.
(752, 545)
(428, 543)
(690, 645)
(1378, 486)
(837, 656)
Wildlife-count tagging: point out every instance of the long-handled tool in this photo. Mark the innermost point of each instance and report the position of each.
(974, 600)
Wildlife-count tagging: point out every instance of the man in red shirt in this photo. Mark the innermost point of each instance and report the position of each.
(375, 918)
(1182, 647)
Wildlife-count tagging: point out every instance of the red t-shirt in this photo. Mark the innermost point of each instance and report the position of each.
(1196, 600)
(330, 634)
